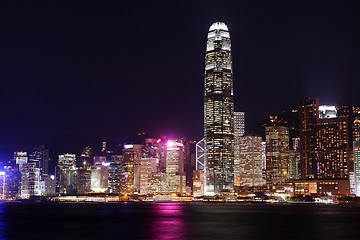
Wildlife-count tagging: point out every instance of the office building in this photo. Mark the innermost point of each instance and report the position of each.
(277, 155)
(309, 113)
(332, 148)
(175, 175)
(250, 162)
(219, 111)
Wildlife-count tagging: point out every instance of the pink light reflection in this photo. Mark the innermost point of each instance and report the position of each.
(169, 222)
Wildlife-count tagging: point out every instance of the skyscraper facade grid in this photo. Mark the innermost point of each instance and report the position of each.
(218, 111)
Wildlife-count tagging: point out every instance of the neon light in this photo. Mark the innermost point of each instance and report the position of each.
(159, 140)
(127, 146)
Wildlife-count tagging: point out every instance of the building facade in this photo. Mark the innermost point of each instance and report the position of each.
(277, 155)
(308, 114)
(219, 111)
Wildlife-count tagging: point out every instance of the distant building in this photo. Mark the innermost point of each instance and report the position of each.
(309, 113)
(130, 168)
(30, 180)
(294, 160)
(66, 174)
(115, 174)
(239, 124)
(322, 187)
(148, 166)
(332, 148)
(84, 180)
(277, 155)
(356, 147)
(175, 175)
(326, 111)
(100, 177)
(250, 170)
(198, 183)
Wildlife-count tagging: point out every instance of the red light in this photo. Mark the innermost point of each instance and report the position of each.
(159, 140)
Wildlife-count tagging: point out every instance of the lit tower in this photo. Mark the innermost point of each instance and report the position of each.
(218, 111)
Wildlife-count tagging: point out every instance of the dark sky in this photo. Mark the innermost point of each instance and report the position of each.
(113, 69)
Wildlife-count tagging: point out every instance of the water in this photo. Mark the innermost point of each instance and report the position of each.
(176, 221)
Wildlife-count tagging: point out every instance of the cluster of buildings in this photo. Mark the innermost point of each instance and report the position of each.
(315, 153)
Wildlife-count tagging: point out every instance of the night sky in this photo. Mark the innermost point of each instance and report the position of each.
(114, 69)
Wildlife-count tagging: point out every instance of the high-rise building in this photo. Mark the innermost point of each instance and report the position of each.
(175, 175)
(332, 148)
(239, 124)
(249, 169)
(115, 174)
(83, 180)
(30, 180)
(239, 131)
(219, 111)
(148, 166)
(309, 113)
(277, 155)
(294, 160)
(66, 173)
(356, 147)
(100, 177)
(130, 168)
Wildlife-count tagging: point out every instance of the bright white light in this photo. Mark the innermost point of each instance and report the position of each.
(52, 177)
(127, 146)
(218, 26)
(105, 164)
(170, 144)
(2, 173)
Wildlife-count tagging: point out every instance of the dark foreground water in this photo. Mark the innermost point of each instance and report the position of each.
(158, 221)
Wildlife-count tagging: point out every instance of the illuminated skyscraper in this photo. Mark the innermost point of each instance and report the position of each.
(309, 113)
(356, 143)
(175, 175)
(239, 131)
(277, 155)
(218, 111)
(332, 148)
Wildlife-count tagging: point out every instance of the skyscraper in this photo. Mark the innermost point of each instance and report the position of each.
(332, 148)
(277, 155)
(309, 112)
(356, 145)
(218, 111)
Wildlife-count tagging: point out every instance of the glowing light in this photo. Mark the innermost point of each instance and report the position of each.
(2, 173)
(52, 177)
(127, 146)
(170, 144)
(105, 164)
(159, 140)
(218, 26)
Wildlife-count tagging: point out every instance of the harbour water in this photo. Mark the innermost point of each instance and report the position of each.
(176, 221)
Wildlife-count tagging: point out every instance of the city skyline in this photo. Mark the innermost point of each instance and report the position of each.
(70, 74)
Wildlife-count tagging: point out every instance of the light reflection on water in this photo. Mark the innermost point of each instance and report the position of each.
(3, 227)
(169, 222)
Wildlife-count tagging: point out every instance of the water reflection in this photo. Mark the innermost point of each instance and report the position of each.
(169, 222)
(3, 226)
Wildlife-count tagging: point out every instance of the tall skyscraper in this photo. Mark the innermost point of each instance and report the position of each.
(309, 113)
(277, 155)
(356, 145)
(332, 148)
(218, 111)
(175, 175)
